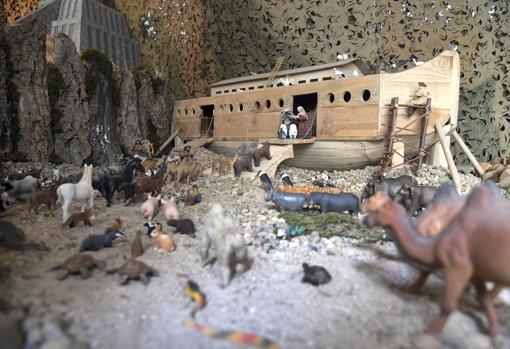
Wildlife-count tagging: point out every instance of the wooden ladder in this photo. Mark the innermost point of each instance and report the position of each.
(276, 68)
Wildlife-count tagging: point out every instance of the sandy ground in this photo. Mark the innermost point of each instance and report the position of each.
(362, 307)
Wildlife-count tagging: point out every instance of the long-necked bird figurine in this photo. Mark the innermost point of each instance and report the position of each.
(264, 178)
(285, 179)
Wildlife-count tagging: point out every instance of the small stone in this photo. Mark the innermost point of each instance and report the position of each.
(63, 343)
(315, 237)
(425, 341)
(281, 233)
(35, 336)
(281, 223)
(284, 244)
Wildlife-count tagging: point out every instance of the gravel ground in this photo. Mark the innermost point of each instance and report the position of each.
(362, 307)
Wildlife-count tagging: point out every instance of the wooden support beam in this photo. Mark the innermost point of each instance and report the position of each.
(449, 158)
(164, 145)
(468, 153)
(423, 134)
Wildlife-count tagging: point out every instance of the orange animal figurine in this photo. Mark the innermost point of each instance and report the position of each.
(163, 242)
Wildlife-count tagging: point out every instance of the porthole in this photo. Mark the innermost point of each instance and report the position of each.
(241, 107)
(186, 111)
(347, 96)
(366, 95)
(193, 112)
(280, 103)
(268, 103)
(256, 106)
(221, 108)
(178, 112)
(331, 97)
(231, 107)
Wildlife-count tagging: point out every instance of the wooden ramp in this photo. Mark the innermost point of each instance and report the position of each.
(279, 153)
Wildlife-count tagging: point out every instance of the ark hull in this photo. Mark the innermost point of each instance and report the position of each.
(333, 155)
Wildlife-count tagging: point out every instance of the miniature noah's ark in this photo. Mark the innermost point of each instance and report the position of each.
(350, 113)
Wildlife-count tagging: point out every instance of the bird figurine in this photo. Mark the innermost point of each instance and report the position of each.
(355, 73)
(342, 57)
(285, 179)
(264, 178)
(415, 61)
(338, 73)
(285, 82)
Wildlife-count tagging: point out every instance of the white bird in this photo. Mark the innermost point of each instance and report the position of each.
(417, 62)
(286, 81)
(338, 73)
(342, 57)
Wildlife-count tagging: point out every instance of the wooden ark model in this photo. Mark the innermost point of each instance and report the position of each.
(350, 112)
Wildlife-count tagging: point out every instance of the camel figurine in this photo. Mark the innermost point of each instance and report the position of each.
(473, 247)
(81, 191)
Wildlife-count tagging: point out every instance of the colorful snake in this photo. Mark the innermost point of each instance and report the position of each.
(192, 290)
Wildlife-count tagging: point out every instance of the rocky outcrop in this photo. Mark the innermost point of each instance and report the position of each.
(71, 134)
(6, 145)
(26, 44)
(72, 108)
(131, 124)
(153, 104)
(103, 130)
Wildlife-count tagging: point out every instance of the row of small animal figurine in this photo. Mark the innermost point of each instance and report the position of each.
(246, 162)
(328, 199)
(404, 190)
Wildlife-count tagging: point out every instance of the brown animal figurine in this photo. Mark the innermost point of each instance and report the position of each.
(221, 164)
(472, 247)
(445, 205)
(189, 171)
(259, 153)
(47, 197)
(163, 242)
(85, 216)
(136, 246)
(116, 225)
(244, 163)
(193, 196)
(142, 185)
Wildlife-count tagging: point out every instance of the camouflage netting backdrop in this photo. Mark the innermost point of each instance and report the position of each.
(197, 42)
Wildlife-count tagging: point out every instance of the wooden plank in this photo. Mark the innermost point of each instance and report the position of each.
(164, 145)
(197, 143)
(468, 153)
(449, 158)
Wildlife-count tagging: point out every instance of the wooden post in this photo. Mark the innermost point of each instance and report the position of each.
(449, 158)
(466, 150)
(390, 133)
(423, 134)
(164, 145)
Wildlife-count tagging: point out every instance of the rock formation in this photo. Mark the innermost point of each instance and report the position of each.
(56, 105)
(71, 136)
(103, 131)
(26, 52)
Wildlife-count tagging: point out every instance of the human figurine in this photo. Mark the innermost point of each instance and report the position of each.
(137, 148)
(287, 128)
(419, 98)
(302, 120)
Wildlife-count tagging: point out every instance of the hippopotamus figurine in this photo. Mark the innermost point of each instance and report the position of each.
(389, 186)
(415, 198)
(335, 202)
(287, 201)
